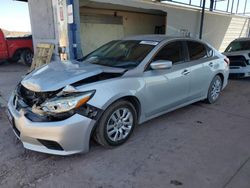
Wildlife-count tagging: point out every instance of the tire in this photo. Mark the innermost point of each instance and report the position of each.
(214, 90)
(27, 57)
(15, 57)
(110, 135)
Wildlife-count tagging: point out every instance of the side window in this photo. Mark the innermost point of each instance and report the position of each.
(171, 52)
(196, 50)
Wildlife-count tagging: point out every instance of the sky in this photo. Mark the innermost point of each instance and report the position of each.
(222, 4)
(14, 15)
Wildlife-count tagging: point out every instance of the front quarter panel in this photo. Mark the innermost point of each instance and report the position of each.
(112, 90)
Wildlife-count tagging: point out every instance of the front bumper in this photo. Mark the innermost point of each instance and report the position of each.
(240, 71)
(70, 136)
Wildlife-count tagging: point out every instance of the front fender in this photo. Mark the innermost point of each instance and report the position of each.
(110, 91)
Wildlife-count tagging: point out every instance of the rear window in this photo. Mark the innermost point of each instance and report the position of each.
(196, 50)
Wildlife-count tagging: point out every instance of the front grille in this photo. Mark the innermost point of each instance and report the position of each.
(30, 97)
(239, 61)
(236, 75)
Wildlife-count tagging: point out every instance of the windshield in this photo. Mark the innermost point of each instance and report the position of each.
(238, 46)
(121, 54)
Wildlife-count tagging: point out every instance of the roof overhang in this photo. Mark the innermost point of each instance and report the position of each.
(124, 5)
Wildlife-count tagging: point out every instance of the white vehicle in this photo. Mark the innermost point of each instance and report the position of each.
(238, 52)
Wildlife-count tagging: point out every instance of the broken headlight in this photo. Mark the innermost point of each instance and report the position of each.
(67, 102)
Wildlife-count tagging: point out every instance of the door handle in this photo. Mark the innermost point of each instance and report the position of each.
(185, 72)
(211, 64)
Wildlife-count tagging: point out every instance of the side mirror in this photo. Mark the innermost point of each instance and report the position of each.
(161, 64)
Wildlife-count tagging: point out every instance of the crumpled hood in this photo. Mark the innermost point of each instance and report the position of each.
(57, 75)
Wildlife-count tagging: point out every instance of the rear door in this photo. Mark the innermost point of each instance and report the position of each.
(3, 47)
(167, 88)
(200, 74)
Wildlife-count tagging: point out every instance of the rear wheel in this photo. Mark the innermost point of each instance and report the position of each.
(214, 90)
(27, 57)
(116, 124)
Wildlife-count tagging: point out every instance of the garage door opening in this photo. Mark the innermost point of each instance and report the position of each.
(101, 25)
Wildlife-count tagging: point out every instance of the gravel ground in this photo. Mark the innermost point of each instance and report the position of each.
(199, 146)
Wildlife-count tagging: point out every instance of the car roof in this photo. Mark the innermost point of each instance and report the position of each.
(157, 38)
(243, 39)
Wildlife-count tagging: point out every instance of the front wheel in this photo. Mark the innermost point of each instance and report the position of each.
(214, 90)
(116, 124)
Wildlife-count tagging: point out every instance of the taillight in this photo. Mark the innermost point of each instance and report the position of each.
(227, 61)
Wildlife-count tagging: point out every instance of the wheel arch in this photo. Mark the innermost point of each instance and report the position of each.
(18, 51)
(134, 100)
(221, 76)
(130, 98)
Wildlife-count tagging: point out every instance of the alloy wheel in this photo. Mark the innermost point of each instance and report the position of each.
(216, 89)
(119, 124)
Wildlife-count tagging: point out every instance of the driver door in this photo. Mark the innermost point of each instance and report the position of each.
(167, 88)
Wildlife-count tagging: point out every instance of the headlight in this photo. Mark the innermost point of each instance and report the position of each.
(66, 103)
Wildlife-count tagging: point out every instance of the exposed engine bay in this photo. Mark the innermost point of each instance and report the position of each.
(42, 91)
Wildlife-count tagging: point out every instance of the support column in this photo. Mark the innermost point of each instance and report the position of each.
(202, 18)
(62, 29)
(74, 29)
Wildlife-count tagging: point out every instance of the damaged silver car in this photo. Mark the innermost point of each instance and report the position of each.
(58, 108)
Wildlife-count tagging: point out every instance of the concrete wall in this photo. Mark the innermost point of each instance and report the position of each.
(43, 22)
(91, 38)
(237, 27)
(94, 35)
(219, 29)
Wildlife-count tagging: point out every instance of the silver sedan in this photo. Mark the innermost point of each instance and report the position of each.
(58, 108)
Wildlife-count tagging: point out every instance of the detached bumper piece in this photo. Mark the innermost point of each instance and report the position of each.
(89, 111)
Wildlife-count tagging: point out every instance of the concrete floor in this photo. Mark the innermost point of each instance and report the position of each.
(199, 146)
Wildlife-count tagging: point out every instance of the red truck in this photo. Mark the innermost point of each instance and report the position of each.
(15, 48)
